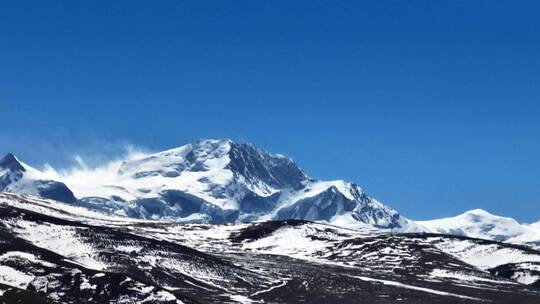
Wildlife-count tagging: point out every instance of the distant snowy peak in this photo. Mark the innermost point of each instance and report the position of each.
(18, 177)
(479, 223)
(476, 223)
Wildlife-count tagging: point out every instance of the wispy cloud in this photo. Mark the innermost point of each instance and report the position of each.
(85, 179)
(60, 147)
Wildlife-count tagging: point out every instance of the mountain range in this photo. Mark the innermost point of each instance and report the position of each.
(219, 221)
(221, 181)
(210, 181)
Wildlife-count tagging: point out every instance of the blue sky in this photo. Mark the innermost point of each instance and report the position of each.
(433, 107)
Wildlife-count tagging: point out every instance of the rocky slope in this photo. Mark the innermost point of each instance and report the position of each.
(51, 252)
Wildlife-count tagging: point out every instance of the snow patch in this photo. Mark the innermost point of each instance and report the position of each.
(483, 256)
(462, 276)
(60, 239)
(15, 278)
(423, 289)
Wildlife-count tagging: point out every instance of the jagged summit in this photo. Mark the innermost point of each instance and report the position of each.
(10, 162)
(222, 181)
(255, 166)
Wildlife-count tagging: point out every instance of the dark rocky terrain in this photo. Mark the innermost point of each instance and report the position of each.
(51, 252)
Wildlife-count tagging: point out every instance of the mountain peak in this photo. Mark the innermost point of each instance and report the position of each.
(479, 212)
(255, 165)
(214, 141)
(10, 162)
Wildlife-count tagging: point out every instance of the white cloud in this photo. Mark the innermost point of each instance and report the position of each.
(84, 180)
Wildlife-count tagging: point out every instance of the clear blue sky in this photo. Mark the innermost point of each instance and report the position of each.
(431, 106)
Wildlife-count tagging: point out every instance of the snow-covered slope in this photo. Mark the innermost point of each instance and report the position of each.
(52, 252)
(484, 225)
(216, 181)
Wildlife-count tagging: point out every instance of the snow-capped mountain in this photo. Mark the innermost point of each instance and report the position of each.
(484, 225)
(213, 181)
